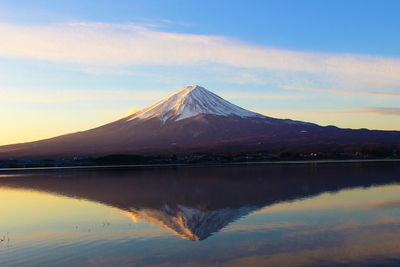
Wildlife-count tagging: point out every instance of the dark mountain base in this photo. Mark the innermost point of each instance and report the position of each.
(353, 153)
(210, 135)
(196, 125)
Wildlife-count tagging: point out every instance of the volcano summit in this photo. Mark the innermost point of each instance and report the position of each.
(191, 101)
(197, 120)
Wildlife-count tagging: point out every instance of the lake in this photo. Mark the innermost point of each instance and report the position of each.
(335, 214)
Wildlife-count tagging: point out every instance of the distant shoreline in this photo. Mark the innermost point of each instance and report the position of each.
(289, 162)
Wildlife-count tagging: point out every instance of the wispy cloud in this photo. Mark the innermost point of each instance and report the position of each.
(20, 95)
(260, 96)
(56, 95)
(379, 111)
(383, 118)
(388, 204)
(341, 91)
(382, 111)
(102, 44)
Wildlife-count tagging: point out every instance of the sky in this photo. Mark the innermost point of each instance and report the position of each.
(67, 66)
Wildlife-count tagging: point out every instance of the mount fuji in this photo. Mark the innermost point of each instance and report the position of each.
(196, 120)
(191, 101)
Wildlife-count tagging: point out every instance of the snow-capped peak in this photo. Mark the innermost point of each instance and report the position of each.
(191, 101)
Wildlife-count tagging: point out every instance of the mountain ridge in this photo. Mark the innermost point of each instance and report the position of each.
(197, 120)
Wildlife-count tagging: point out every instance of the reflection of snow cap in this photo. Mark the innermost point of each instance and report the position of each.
(190, 223)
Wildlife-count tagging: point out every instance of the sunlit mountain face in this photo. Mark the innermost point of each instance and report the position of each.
(197, 202)
(196, 120)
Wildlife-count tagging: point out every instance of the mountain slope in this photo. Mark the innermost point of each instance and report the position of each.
(191, 101)
(196, 120)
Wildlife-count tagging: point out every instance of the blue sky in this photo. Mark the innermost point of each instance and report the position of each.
(333, 26)
(72, 65)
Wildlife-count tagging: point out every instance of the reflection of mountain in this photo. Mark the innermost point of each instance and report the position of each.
(191, 223)
(194, 202)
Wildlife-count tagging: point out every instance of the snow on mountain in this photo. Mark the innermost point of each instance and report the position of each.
(191, 101)
(173, 125)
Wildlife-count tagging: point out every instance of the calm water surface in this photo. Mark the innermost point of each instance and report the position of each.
(283, 215)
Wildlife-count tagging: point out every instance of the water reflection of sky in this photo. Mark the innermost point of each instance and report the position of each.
(359, 225)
